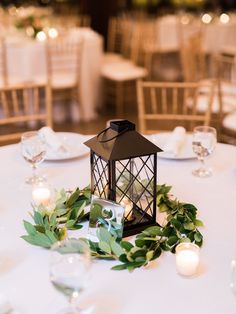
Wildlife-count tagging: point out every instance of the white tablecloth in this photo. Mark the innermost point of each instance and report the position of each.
(26, 61)
(157, 289)
(216, 35)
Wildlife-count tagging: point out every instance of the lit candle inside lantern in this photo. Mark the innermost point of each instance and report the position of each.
(187, 259)
(128, 208)
(41, 194)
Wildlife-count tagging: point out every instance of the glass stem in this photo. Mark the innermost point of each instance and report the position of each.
(202, 160)
(34, 168)
(72, 300)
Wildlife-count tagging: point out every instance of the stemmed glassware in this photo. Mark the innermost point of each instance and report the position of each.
(204, 142)
(69, 270)
(33, 148)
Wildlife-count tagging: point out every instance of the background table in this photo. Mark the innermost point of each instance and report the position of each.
(156, 289)
(26, 61)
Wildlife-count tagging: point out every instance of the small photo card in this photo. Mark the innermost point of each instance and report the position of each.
(107, 214)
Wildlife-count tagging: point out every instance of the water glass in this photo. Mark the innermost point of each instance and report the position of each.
(204, 143)
(33, 148)
(69, 270)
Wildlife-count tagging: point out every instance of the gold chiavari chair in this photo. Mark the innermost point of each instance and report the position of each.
(64, 56)
(162, 105)
(120, 74)
(3, 63)
(193, 60)
(226, 78)
(23, 108)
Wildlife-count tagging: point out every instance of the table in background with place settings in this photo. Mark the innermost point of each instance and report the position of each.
(32, 65)
(157, 288)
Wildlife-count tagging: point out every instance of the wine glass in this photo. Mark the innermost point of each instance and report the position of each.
(69, 269)
(204, 142)
(33, 148)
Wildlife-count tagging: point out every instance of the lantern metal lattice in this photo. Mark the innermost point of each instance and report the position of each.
(124, 170)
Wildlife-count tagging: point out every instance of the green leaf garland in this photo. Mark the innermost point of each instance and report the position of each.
(181, 225)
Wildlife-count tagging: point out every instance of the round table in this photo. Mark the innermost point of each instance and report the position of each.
(154, 289)
(31, 65)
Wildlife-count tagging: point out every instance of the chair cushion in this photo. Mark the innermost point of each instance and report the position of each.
(228, 98)
(111, 57)
(229, 121)
(123, 71)
(63, 80)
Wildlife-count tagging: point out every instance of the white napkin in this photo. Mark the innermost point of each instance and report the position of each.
(51, 139)
(176, 141)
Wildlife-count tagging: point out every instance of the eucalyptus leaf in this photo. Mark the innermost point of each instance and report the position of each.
(116, 248)
(198, 237)
(72, 199)
(70, 223)
(51, 236)
(105, 247)
(38, 218)
(153, 231)
(172, 240)
(189, 226)
(126, 245)
(29, 228)
(198, 223)
(119, 267)
(104, 235)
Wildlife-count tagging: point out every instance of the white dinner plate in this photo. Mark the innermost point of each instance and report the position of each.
(73, 144)
(161, 139)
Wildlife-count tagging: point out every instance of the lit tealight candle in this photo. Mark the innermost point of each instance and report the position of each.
(41, 194)
(187, 259)
(128, 205)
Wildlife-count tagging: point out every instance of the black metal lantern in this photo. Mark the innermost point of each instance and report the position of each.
(124, 170)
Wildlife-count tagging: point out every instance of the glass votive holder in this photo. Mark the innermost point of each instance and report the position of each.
(41, 194)
(187, 259)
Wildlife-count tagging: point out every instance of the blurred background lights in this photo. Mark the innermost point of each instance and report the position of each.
(30, 31)
(206, 18)
(224, 18)
(41, 36)
(52, 33)
(185, 19)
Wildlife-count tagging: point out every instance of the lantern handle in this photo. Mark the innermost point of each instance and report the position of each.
(112, 138)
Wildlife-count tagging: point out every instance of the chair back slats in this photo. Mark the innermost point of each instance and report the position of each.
(175, 100)
(15, 102)
(159, 101)
(153, 100)
(3, 62)
(5, 108)
(23, 108)
(26, 95)
(226, 82)
(164, 99)
(64, 57)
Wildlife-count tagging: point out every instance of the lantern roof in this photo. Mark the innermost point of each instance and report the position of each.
(121, 141)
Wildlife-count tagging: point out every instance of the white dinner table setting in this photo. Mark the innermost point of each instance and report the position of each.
(24, 269)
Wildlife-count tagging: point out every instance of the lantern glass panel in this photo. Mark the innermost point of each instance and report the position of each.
(100, 177)
(135, 184)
